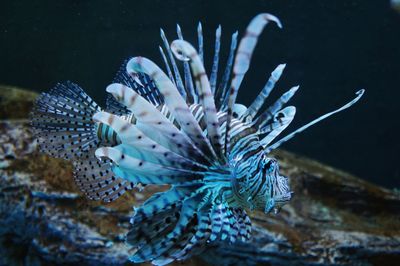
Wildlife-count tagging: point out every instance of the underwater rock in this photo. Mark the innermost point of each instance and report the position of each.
(15, 142)
(333, 219)
(15, 102)
(37, 230)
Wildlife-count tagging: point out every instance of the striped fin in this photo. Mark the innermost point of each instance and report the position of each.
(241, 226)
(359, 94)
(228, 222)
(176, 244)
(174, 102)
(165, 111)
(281, 120)
(221, 93)
(171, 77)
(157, 216)
(115, 107)
(225, 222)
(265, 117)
(214, 69)
(61, 120)
(216, 221)
(155, 125)
(96, 180)
(171, 254)
(135, 143)
(259, 101)
(234, 226)
(183, 50)
(141, 171)
(200, 40)
(244, 224)
(243, 135)
(198, 241)
(178, 79)
(220, 226)
(151, 228)
(141, 83)
(161, 201)
(149, 178)
(188, 77)
(186, 219)
(242, 62)
(247, 223)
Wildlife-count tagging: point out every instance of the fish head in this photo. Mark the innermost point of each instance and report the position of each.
(277, 191)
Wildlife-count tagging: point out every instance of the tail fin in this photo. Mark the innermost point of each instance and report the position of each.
(62, 122)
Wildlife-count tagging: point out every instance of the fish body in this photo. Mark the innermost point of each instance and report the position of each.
(159, 128)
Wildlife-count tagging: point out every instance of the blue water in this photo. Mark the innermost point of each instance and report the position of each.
(332, 49)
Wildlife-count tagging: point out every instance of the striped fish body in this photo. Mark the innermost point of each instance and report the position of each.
(182, 130)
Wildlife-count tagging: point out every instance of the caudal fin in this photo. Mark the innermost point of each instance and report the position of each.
(63, 125)
(62, 122)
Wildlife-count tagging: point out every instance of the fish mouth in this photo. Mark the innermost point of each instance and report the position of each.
(277, 202)
(283, 198)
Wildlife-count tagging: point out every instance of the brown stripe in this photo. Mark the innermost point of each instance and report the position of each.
(133, 98)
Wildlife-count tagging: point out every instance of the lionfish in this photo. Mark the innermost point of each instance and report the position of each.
(159, 128)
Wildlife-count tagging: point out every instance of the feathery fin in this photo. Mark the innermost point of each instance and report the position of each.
(62, 123)
(183, 50)
(214, 69)
(137, 144)
(200, 40)
(267, 115)
(359, 94)
(178, 79)
(264, 93)
(155, 125)
(186, 70)
(97, 181)
(171, 77)
(175, 103)
(141, 83)
(221, 93)
(281, 120)
(242, 63)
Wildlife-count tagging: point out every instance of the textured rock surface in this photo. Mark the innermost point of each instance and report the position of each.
(15, 102)
(334, 218)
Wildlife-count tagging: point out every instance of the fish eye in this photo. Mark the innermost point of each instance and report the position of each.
(270, 165)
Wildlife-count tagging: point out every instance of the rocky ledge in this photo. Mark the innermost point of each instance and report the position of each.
(333, 219)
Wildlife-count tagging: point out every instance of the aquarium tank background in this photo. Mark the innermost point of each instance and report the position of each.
(331, 48)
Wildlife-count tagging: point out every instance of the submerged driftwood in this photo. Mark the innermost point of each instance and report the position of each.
(333, 218)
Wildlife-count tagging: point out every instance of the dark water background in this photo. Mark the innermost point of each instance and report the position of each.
(332, 49)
